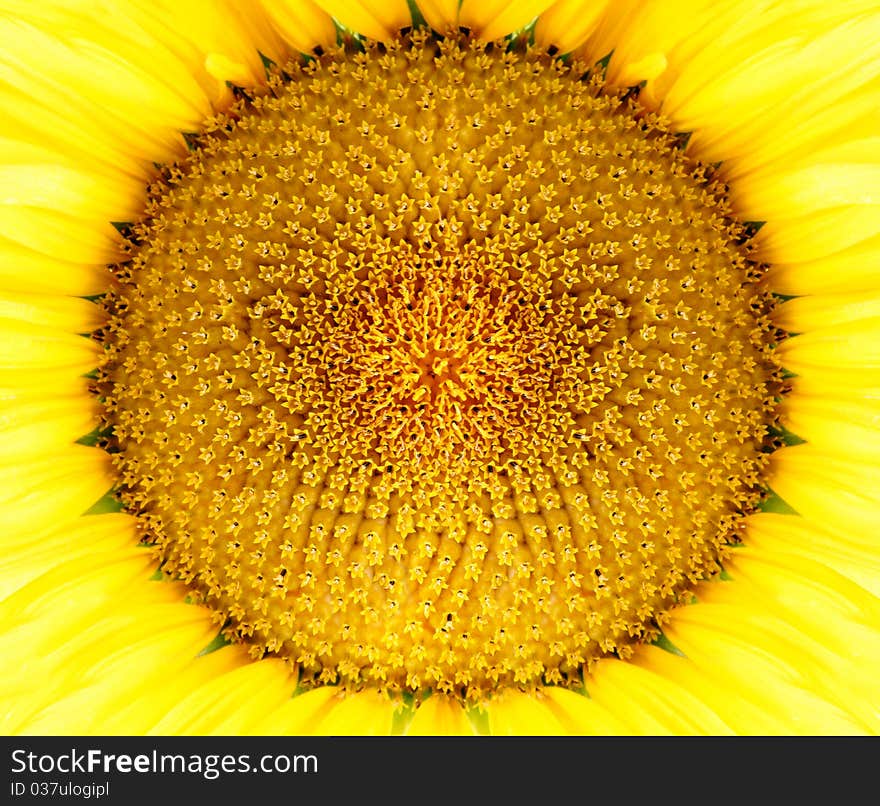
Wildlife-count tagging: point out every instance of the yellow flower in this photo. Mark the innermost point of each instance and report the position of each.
(783, 96)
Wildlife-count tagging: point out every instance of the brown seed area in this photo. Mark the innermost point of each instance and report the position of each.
(438, 367)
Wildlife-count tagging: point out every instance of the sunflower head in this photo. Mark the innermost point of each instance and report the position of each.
(439, 366)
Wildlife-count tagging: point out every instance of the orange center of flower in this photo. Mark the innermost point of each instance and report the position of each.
(438, 367)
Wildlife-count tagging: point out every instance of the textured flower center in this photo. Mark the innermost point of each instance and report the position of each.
(438, 367)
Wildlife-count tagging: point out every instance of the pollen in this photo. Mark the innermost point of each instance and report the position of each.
(437, 366)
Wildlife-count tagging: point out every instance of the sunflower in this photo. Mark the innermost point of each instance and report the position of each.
(452, 367)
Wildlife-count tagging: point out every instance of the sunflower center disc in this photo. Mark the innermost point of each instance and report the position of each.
(438, 367)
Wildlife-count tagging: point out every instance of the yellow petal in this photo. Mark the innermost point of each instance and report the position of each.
(566, 24)
(330, 711)
(851, 555)
(826, 310)
(364, 713)
(581, 716)
(57, 313)
(99, 680)
(28, 385)
(302, 23)
(121, 102)
(756, 64)
(821, 602)
(803, 190)
(140, 714)
(36, 429)
(44, 181)
(763, 660)
(374, 20)
(648, 33)
(853, 345)
(810, 618)
(52, 662)
(814, 236)
(229, 704)
(839, 494)
(440, 716)
(186, 33)
(299, 715)
(47, 492)
(493, 19)
(519, 713)
(24, 346)
(848, 427)
(725, 698)
(649, 703)
(847, 269)
(28, 269)
(59, 236)
(441, 15)
(27, 555)
(88, 583)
